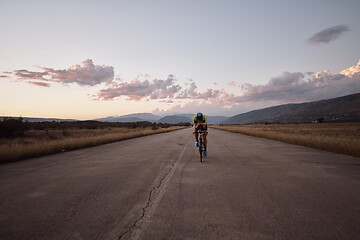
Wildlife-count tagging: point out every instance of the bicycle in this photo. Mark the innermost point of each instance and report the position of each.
(201, 143)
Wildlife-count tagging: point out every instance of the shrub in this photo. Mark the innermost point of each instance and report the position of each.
(12, 127)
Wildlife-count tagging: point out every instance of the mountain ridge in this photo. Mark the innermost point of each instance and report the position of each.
(175, 119)
(134, 117)
(345, 108)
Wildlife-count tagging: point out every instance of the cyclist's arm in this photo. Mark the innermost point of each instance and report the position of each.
(205, 119)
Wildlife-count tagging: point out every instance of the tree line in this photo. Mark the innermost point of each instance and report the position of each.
(16, 127)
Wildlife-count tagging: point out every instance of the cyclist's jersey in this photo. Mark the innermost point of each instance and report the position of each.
(203, 120)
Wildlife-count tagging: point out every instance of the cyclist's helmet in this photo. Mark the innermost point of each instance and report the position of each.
(199, 115)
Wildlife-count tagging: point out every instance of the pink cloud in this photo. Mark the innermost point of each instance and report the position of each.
(137, 90)
(84, 74)
(285, 88)
(165, 90)
(289, 87)
(299, 87)
(231, 83)
(40, 84)
(25, 74)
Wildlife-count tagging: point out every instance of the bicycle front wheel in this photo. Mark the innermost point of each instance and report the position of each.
(201, 148)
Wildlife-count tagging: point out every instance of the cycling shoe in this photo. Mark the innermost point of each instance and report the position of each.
(205, 153)
(197, 144)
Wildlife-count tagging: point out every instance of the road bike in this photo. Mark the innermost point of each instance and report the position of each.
(201, 143)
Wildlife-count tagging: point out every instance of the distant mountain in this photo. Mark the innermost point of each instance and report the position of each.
(188, 115)
(136, 117)
(345, 108)
(211, 119)
(216, 119)
(174, 119)
(178, 118)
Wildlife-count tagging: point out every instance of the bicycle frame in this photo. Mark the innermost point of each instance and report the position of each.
(201, 144)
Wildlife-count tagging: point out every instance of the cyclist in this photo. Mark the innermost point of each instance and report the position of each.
(200, 123)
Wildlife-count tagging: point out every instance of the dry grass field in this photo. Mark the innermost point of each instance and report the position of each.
(341, 138)
(36, 143)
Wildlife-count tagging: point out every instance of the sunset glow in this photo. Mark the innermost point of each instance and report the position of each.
(165, 57)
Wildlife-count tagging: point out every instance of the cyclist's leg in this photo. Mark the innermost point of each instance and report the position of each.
(205, 140)
(205, 135)
(195, 132)
(196, 135)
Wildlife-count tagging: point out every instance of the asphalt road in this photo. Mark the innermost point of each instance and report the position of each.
(154, 187)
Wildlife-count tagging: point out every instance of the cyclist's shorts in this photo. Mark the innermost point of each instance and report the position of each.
(203, 128)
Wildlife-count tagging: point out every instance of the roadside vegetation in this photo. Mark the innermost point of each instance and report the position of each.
(341, 138)
(21, 140)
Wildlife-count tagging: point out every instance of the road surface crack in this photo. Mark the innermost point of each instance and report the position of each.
(154, 194)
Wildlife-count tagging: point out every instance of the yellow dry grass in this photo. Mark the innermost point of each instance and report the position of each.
(341, 138)
(42, 142)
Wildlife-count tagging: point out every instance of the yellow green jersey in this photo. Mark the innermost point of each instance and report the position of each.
(197, 120)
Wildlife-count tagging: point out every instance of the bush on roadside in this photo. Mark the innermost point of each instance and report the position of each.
(13, 127)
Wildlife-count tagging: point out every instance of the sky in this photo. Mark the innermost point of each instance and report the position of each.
(92, 59)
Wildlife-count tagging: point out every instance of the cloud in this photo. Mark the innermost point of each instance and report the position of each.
(84, 74)
(137, 90)
(299, 87)
(3, 76)
(25, 74)
(189, 92)
(351, 71)
(323, 74)
(288, 87)
(280, 87)
(165, 90)
(329, 34)
(40, 84)
(285, 88)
